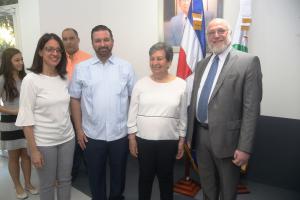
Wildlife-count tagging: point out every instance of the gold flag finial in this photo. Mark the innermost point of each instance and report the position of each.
(197, 21)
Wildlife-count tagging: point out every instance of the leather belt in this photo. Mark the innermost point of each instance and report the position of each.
(203, 125)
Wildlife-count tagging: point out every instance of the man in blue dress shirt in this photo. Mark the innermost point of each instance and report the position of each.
(100, 90)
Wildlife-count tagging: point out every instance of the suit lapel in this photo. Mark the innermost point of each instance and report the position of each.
(199, 74)
(230, 59)
(197, 79)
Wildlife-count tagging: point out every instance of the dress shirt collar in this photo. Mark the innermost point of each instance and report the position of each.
(110, 60)
(223, 55)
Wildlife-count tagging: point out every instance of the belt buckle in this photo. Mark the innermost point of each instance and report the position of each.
(204, 125)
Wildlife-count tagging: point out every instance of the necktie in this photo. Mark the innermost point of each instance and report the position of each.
(203, 100)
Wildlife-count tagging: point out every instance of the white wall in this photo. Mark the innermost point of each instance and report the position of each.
(274, 37)
(29, 28)
(134, 25)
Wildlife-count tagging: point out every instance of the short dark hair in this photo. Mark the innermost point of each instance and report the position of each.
(162, 46)
(37, 63)
(101, 28)
(71, 29)
(6, 70)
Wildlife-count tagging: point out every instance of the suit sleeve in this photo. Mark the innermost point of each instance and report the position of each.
(252, 95)
(192, 102)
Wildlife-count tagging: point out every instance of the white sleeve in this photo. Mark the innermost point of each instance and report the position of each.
(132, 80)
(75, 86)
(183, 113)
(133, 111)
(27, 103)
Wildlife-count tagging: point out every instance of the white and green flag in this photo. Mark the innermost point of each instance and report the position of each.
(240, 36)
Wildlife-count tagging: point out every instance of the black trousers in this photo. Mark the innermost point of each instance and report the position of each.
(78, 157)
(96, 153)
(156, 158)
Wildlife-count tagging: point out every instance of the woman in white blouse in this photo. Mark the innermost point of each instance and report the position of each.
(44, 116)
(157, 123)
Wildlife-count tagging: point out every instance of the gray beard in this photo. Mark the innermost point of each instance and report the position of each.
(218, 50)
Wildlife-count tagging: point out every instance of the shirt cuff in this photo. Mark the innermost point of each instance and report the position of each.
(182, 133)
(132, 129)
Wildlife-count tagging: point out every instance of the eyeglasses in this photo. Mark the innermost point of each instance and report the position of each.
(219, 31)
(52, 50)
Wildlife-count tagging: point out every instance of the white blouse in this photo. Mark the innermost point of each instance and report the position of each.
(158, 111)
(44, 104)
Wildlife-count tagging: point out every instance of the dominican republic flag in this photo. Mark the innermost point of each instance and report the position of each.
(193, 46)
(240, 36)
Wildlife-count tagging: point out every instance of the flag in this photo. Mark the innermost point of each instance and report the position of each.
(192, 50)
(240, 36)
(193, 46)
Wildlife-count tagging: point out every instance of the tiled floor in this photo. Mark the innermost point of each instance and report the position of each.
(7, 191)
(257, 191)
(81, 190)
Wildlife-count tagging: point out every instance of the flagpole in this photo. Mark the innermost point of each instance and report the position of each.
(192, 50)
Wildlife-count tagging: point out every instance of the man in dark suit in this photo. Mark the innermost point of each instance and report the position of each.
(225, 105)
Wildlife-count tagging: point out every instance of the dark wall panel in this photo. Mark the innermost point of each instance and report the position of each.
(276, 156)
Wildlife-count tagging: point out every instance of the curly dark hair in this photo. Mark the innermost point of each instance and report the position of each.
(37, 64)
(6, 70)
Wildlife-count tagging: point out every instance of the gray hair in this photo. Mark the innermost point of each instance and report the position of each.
(162, 46)
(224, 22)
(220, 20)
(226, 25)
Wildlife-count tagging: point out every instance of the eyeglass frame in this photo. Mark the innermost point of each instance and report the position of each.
(52, 50)
(220, 31)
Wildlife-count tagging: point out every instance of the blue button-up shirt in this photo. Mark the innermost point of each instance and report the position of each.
(103, 90)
